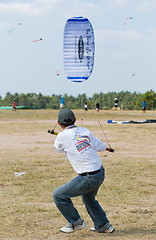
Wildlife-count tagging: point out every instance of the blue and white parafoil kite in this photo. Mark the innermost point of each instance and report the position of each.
(78, 49)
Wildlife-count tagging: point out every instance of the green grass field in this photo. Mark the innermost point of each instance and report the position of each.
(128, 195)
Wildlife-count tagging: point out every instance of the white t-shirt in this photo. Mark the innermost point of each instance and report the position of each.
(80, 147)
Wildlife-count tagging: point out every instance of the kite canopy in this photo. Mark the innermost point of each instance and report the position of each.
(78, 49)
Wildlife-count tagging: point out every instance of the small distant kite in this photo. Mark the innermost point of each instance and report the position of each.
(34, 41)
(57, 73)
(19, 24)
(40, 39)
(133, 74)
(128, 18)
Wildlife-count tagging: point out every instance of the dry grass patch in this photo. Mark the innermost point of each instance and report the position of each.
(27, 210)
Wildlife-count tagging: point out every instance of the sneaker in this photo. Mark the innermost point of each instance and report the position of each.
(71, 228)
(92, 229)
(107, 228)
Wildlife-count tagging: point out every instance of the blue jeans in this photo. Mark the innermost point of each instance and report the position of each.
(87, 187)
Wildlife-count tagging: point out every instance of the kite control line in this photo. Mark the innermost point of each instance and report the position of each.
(107, 149)
(104, 134)
(52, 132)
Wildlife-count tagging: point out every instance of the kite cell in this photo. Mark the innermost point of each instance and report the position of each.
(78, 49)
(128, 18)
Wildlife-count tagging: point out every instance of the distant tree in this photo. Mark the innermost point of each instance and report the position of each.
(150, 99)
(126, 100)
(22, 99)
(8, 100)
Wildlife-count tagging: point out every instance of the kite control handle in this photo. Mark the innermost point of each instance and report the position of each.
(110, 149)
(52, 132)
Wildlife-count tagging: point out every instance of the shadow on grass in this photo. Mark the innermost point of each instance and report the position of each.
(130, 234)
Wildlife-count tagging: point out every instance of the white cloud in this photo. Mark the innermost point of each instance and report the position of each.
(20, 8)
(47, 4)
(114, 54)
(121, 54)
(146, 6)
(90, 4)
(139, 5)
(36, 8)
(107, 35)
(117, 3)
(133, 35)
(152, 35)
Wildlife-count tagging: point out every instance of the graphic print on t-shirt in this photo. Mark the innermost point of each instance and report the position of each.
(83, 142)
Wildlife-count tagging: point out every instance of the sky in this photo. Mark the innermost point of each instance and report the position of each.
(125, 55)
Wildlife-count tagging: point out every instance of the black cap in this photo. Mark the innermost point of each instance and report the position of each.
(66, 116)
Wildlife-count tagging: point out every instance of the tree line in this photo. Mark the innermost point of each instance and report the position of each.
(126, 100)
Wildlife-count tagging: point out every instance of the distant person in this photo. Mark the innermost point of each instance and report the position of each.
(144, 104)
(62, 103)
(14, 106)
(97, 107)
(116, 103)
(86, 107)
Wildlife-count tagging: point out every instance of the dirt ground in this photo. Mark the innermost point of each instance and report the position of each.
(128, 195)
